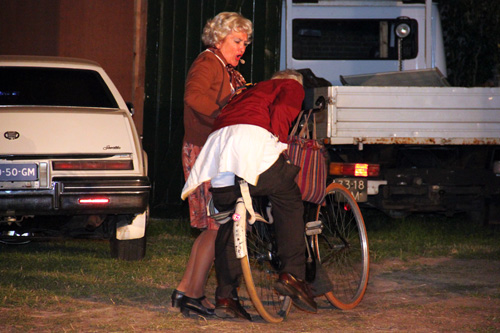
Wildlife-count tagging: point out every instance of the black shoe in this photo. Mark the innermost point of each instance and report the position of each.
(176, 298)
(194, 304)
(231, 308)
(298, 290)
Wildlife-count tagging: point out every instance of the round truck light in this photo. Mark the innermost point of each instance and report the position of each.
(402, 30)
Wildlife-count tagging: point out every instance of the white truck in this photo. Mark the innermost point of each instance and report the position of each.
(402, 139)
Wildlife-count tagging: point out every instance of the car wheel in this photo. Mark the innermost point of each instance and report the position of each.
(129, 249)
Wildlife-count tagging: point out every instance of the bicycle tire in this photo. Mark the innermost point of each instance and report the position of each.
(260, 272)
(342, 247)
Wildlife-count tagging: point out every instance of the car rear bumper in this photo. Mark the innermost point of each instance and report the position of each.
(126, 195)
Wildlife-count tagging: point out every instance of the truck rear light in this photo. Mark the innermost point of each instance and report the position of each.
(92, 165)
(355, 169)
(93, 201)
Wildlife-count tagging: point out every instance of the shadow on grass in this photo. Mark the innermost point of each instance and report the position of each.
(37, 272)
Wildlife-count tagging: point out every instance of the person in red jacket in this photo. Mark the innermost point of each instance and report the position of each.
(247, 142)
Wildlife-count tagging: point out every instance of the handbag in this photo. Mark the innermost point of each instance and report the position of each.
(310, 155)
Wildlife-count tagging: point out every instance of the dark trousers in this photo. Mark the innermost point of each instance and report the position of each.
(278, 184)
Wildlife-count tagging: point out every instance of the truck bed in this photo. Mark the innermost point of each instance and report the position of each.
(409, 115)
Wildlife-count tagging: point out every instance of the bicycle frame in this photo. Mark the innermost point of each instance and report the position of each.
(239, 229)
(336, 227)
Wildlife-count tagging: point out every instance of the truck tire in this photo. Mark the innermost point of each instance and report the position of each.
(479, 215)
(493, 210)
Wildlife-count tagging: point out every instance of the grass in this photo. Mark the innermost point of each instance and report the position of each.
(430, 235)
(40, 273)
(68, 275)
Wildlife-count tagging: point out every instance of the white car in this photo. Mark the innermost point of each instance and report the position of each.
(71, 161)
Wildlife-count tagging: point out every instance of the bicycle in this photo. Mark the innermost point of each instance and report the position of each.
(337, 244)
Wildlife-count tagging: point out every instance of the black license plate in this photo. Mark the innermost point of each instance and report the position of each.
(357, 187)
(18, 172)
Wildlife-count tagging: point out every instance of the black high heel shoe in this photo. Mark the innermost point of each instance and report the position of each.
(176, 298)
(194, 304)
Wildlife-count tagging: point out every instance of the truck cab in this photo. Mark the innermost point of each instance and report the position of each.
(340, 38)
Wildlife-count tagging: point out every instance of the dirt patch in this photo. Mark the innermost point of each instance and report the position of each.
(422, 295)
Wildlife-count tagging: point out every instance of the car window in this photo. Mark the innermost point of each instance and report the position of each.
(54, 87)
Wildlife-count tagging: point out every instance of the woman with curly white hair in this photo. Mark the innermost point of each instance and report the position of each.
(211, 81)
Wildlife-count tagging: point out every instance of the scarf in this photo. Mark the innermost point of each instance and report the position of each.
(237, 80)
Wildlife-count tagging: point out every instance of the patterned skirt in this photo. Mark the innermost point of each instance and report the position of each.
(200, 197)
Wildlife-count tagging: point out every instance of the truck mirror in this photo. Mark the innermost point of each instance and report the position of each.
(402, 31)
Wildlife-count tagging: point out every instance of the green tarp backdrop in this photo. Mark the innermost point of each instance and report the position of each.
(173, 42)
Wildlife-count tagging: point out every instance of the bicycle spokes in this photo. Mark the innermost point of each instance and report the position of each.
(342, 247)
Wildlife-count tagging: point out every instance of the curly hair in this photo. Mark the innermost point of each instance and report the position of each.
(288, 74)
(222, 25)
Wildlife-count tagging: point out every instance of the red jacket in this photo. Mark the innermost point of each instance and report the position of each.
(272, 105)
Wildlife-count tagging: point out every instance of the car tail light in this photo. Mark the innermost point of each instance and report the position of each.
(93, 201)
(355, 169)
(92, 165)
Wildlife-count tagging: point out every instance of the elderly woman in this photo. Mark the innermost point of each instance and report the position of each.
(211, 81)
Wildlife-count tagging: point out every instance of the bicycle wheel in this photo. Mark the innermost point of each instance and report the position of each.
(342, 247)
(260, 272)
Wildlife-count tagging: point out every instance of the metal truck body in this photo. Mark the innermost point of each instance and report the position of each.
(436, 148)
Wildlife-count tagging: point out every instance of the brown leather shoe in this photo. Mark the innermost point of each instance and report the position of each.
(298, 290)
(230, 308)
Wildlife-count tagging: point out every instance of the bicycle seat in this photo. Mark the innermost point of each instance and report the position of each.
(219, 217)
(226, 216)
